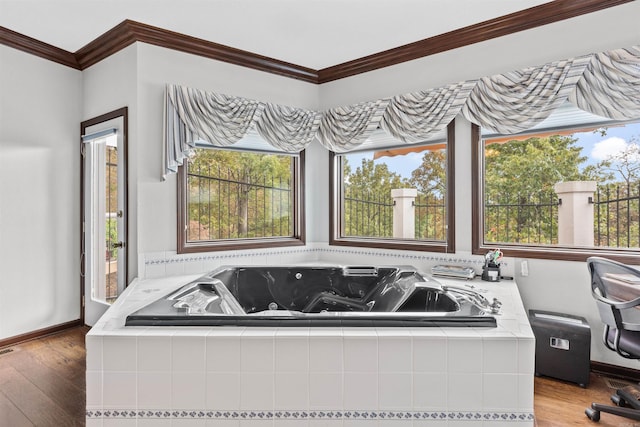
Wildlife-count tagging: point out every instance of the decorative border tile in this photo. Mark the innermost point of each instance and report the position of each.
(310, 415)
(478, 260)
(222, 256)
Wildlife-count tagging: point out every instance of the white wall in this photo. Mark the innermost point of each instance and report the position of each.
(107, 86)
(39, 193)
(317, 193)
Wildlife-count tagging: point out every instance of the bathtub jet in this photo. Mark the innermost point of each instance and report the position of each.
(308, 296)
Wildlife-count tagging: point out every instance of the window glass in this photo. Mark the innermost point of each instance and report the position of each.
(239, 197)
(393, 197)
(575, 186)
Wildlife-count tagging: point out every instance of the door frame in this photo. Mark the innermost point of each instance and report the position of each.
(124, 114)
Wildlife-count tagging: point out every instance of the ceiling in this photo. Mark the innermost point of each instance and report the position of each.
(311, 33)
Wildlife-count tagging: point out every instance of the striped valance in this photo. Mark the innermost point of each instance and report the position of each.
(343, 129)
(516, 101)
(606, 84)
(610, 85)
(193, 115)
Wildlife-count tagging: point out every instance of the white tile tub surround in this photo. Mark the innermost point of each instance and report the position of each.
(241, 376)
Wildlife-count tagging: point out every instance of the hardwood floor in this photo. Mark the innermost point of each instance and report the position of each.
(560, 404)
(42, 383)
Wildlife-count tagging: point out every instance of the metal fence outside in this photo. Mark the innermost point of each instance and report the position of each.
(529, 219)
(368, 214)
(431, 219)
(617, 211)
(533, 218)
(223, 207)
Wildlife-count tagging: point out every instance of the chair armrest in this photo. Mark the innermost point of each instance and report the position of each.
(620, 305)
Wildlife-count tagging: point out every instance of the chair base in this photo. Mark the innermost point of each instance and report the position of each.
(593, 413)
(627, 396)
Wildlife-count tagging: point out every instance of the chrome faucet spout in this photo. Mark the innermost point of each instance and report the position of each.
(495, 306)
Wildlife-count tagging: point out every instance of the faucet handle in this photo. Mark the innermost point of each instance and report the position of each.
(495, 306)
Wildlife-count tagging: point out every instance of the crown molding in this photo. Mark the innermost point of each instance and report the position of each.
(113, 41)
(129, 32)
(546, 13)
(36, 47)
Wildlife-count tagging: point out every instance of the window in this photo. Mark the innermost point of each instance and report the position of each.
(567, 189)
(394, 197)
(239, 199)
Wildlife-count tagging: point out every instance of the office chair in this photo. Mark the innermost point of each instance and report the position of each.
(616, 289)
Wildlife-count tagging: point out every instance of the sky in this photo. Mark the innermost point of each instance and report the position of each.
(402, 165)
(595, 146)
(616, 140)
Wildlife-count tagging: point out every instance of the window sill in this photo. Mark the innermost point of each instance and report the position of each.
(628, 256)
(240, 244)
(397, 244)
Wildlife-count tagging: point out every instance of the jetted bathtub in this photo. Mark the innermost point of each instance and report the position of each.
(319, 296)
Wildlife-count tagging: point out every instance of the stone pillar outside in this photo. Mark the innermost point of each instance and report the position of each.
(575, 213)
(404, 212)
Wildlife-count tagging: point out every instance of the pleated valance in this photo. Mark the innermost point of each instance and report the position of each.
(605, 84)
(610, 85)
(516, 101)
(193, 115)
(342, 129)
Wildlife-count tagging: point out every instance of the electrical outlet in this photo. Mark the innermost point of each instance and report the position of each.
(524, 268)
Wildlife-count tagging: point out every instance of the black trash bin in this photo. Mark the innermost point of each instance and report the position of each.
(563, 346)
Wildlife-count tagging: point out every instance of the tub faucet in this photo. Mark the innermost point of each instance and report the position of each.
(495, 306)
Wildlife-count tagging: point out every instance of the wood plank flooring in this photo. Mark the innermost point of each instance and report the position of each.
(561, 404)
(42, 383)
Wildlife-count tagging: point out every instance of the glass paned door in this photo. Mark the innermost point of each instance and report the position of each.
(104, 219)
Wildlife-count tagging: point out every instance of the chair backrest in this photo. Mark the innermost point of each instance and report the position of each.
(616, 289)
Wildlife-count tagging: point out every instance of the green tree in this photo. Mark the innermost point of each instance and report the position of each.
(430, 179)
(111, 200)
(239, 204)
(620, 180)
(533, 165)
(625, 164)
(111, 237)
(519, 176)
(368, 204)
(431, 176)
